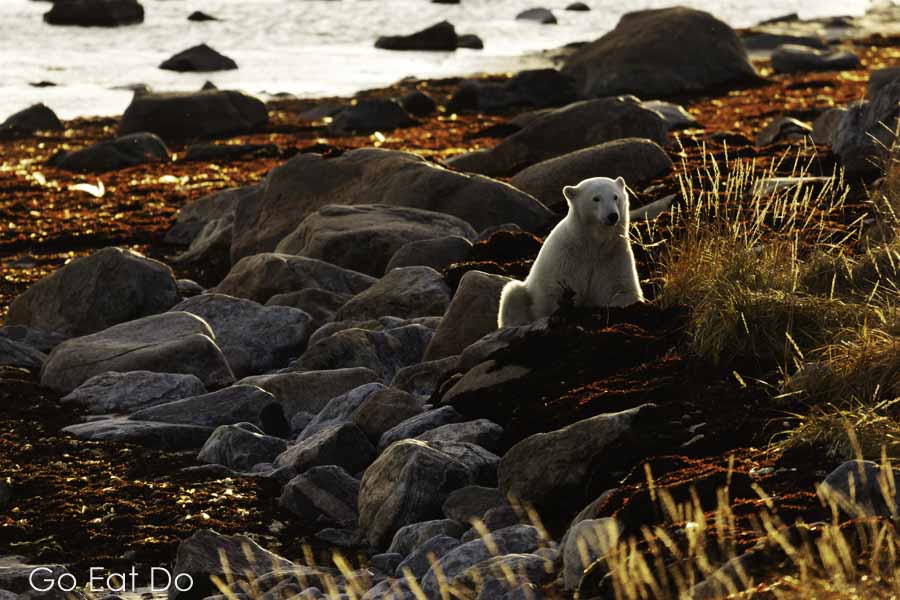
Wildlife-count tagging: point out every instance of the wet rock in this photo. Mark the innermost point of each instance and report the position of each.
(341, 409)
(660, 53)
(384, 352)
(862, 488)
(877, 79)
(534, 87)
(326, 493)
(37, 117)
(406, 293)
(309, 181)
(113, 392)
(472, 502)
(866, 129)
(791, 58)
(480, 432)
(205, 554)
(826, 125)
(539, 15)
(95, 13)
(198, 58)
(409, 537)
(438, 37)
(172, 342)
(543, 466)
(235, 404)
(418, 103)
(162, 436)
(637, 160)
(365, 237)
(240, 447)
(421, 558)
(193, 217)
(369, 116)
(253, 337)
(189, 115)
(422, 379)
(561, 131)
(342, 445)
(310, 391)
(200, 16)
(406, 484)
(228, 152)
(320, 305)
(110, 286)
(416, 426)
(16, 354)
(586, 542)
(437, 253)
(261, 276)
(120, 153)
(783, 129)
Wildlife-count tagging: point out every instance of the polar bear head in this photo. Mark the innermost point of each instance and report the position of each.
(599, 201)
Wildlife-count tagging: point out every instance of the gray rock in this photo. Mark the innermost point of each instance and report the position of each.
(299, 422)
(424, 555)
(309, 181)
(193, 217)
(191, 115)
(379, 324)
(483, 379)
(95, 13)
(564, 130)
(637, 160)
(762, 40)
(262, 276)
(416, 426)
(340, 409)
(409, 537)
(792, 58)
(390, 589)
(539, 15)
(674, 114)
(471, 315)
(438, 253)
(239, 448)
(37, 117)
(235, 404)
(866, 129)
(253, 337)
(327, 492)
(783, 129)
(480, 432)
(481, 463)
(320, 305)
(418, 104)
(880, 78)
(503, 573)
(472, 502)
(188, 288)
(438, 37)
(310, 391)
(406, 293)
(422, 379)
(111, 286)
(368, 116)
(387, 562)
(173, 342)
(532, 87)
(162, 436)
(826, 124)
(862, 488)
(384, 410)
(113, 392)
(38, 339)
(586, 542)
(660, 53)
(496, 341)
(341, 445)
(199, 58)
(16, 354)
(384, 352)
(365, 237)
(543, 466)
(111, 155)
(15, 573)
(406, 484)
(212, 244)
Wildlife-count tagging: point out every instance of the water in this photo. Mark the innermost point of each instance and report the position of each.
(304, 47)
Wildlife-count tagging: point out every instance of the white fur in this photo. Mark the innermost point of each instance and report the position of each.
(584, 252)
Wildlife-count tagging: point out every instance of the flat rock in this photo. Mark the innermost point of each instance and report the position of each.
(172, 342)
(326, 493)
(113, 392)
(111, 286)
(200, 58)
(792, 58)
(405, 292)
(239, 447)
(125, 151)
(95, 13)
(162, 436)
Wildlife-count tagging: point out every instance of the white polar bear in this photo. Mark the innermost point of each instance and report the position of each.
(588, 252)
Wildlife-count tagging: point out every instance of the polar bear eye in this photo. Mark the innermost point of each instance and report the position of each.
(616, 198)
(596, 198)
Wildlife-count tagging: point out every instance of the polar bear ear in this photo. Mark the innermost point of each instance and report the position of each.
(620, 182)
(569, 193)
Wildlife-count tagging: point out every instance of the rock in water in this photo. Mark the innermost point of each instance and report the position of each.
(110, 286)
(126, 151)
(200, 16)
(100, 13)
(174, 342)
(661, 53)
(539, 15)
(179, 116)
(441, 36)
(200, 58)
(37, 117)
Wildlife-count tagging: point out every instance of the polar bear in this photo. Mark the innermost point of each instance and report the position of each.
(588, 252)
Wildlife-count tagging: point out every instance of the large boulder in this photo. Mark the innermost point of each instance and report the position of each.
(261, 276)
(438, 253)
(126, 151)
(326, 493)
(564, 130)
(37, 117)
(340, 409)
(535, 87)
(793, 58)
(472, 314)
(544, 467)
(254, 338)
(99, 13)
(867, 129)
(406, 293)
(440, 36)
(415, 426)
(368, 116)
(660, 53)
(309, 181)
(320, 305)
(239, 447)
(113, 392)
(178, 116)
(174, 342)
(110, 286)
(364, 237)
(407, 484)
(310, 391)
(200, 58)
(193, 217)
(344, 445)
(636, 160)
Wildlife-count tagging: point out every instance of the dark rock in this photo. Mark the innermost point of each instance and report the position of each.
(387, 562)
(480, 432)
(161, 436)
(437, 253)
(755, 40)
(406, 293)
(340, 409)
(826, 125)
(469, 41)
(99, 13)
(127, 392)
(200, 58)
(384, 410)
(327, 492)
(439, 37)
(342, 445)
(862, 488)
(16, 354)
(320, 305)
(790, 58)
(472, 502)
(409, 537)
(416, 426)
(536, 87)
(227, 152)
(578, 6)
(193, 217)
(37, 117)
(369, 116)
(39, 339)
(867, 129)
(421, 558)
(418, 103)
(201, 16)
(880, 78)
(239, 447)
(541, 15)
(783, 129)
(126, 151)
(422, 379)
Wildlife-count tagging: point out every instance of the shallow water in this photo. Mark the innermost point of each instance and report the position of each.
(304, 47)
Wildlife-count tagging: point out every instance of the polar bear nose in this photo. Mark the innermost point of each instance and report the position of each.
(613, 218)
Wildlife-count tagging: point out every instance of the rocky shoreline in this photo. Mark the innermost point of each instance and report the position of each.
(267, 333)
